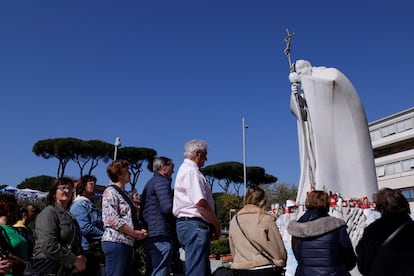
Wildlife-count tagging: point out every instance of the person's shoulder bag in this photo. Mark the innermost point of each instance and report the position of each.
(276, 269)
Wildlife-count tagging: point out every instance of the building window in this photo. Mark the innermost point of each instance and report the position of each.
(388, 130)
(395, 168)
(376, 135)
(390, 169)
(408, 165)
(380, 171)
(408, 194)
(405, 125)
(385, 131)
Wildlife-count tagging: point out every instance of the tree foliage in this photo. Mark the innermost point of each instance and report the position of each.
(258, 176)
(220, 246)
(276, 193)
(72, 149)
(225, 203)
(279, 193)
(63, 149)
(228, 173)
(136, 157)
(40, 183)
(91, 152)
(88, 154)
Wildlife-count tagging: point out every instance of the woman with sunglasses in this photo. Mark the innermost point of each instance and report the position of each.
(57, 235)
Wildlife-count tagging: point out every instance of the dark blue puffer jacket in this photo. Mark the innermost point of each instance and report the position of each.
(321, 245)
(156, 207)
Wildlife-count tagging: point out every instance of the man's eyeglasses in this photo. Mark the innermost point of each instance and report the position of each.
(65, 188)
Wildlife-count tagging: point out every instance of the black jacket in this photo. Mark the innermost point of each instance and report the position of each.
(321, 245)
(396, 258)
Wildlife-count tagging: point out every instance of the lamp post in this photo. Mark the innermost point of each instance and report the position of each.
(231, 211)
(117, 145)
(244, 126)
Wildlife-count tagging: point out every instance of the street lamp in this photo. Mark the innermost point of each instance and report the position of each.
(244, 126)
(117, 145)
(231, 211)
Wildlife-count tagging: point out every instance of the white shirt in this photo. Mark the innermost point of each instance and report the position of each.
(190, 187)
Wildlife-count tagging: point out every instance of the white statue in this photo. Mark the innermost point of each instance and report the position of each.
(335, 146)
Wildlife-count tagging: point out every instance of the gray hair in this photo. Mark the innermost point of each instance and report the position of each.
(159, 162)
(193, 146)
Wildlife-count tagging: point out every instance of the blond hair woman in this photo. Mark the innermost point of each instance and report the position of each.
(255, 241)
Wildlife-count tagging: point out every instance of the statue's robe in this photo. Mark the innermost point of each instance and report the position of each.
(334, 142)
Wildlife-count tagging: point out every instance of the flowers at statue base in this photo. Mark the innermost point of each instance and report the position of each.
(355, 202)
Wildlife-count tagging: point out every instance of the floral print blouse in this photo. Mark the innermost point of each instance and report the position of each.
(116, 213)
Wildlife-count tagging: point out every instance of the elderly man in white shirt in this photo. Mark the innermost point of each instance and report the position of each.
(193, 206)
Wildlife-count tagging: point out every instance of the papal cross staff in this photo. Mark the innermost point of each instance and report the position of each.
(287, 48)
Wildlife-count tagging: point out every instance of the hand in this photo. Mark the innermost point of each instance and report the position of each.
(294, 77)
(5, 266)
(140, 234)
(215, 233)
(80, 264)
(218, 232)
(17, 263)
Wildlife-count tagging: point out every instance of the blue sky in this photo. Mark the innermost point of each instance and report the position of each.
(159, 73)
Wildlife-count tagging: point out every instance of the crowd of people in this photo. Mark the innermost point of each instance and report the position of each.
(71, 236)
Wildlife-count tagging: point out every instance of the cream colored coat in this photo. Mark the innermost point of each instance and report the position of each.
(263, 232)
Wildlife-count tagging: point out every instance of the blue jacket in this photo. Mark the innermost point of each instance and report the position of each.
(321, 245)
(156, 207)
(89, 219)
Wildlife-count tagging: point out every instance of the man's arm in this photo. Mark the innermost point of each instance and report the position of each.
(207, 213)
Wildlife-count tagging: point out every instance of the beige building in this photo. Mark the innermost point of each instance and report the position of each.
(393, 145)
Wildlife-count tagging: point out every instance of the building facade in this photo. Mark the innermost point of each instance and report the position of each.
(392, 140)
